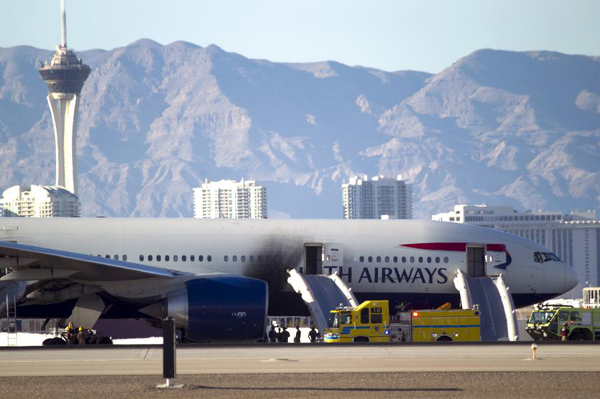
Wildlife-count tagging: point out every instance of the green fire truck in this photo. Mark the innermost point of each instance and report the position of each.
(546, 323)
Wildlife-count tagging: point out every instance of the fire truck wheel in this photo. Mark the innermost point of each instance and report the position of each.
(361, 339)
(579, 336)
(444, 338)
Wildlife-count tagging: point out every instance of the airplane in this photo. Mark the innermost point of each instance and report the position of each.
(219, 278)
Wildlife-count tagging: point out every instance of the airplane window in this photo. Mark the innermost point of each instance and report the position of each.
(234, 258)
(158, 257)
(446, 260)
(141, 258)
(387, 259)
(166, 258)
(200, 258)
(537, 257)
(404, 259)
(437, 259)
(395, 259)
(124, 257)
(370, 259)
(378, 259)
(175, 258)
(99, 255)
(412, 259)
(362, 259)
(107, 256)
(420, 259)
(243, 258)
(429, 259)
(116, 257)
(251, 258)
(260, 258)
(149, 258)
(547, 257)
(209, 258)
(183, 258)
(226, 258)
(192, 258)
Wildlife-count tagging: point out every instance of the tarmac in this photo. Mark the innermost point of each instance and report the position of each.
(332, 371)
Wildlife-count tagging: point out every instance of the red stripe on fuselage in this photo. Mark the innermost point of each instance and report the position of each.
(496, 247)
(453, 246)
(440, 246)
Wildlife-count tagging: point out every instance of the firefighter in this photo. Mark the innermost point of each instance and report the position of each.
(71, 334)
(565, 331)
(80, 337)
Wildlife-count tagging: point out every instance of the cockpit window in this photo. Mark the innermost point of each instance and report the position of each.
(541, 257)
(554, 257)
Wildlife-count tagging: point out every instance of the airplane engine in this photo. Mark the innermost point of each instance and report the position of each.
(221, 308)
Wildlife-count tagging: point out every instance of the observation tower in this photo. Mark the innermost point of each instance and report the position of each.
(65, 76)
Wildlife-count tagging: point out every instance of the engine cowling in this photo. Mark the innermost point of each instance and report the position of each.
(221, 308)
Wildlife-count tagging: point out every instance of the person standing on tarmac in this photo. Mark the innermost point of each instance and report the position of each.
(313, 334)
(565, 331)
(272, 334)
(71, 334)
(80, 338)
(285, 335)
(297, 336)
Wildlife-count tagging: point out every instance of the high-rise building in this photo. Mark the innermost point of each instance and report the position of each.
(40, 202)
(64, 76)
(377, 198)
(229, 199)
(574, 238)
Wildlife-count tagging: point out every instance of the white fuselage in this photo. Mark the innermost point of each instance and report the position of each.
(372, 256)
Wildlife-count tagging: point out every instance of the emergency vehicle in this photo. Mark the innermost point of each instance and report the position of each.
(371, 322)
(546, 322)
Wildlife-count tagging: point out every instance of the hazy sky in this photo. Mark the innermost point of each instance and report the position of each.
(388, 34)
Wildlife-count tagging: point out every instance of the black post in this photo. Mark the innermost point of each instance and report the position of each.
(169, 342)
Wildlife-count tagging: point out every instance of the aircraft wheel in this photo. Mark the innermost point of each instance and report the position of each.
(104, 341)
(53, 342)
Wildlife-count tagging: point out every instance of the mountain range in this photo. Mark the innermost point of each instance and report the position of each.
(495, 127)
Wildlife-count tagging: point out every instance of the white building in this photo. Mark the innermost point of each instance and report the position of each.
(574, 238)
(364, 199)
(229, 199)
(40, 202)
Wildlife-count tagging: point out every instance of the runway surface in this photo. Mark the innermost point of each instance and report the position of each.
(284, 371)
(299, 359)
(521, 385)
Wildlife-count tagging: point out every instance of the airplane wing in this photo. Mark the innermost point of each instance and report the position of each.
(37, 263)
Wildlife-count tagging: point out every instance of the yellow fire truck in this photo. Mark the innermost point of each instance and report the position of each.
(371, 322)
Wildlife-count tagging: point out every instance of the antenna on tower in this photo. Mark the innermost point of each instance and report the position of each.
(63, 25)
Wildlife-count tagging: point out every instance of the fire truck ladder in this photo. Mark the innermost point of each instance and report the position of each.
(10, 288)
